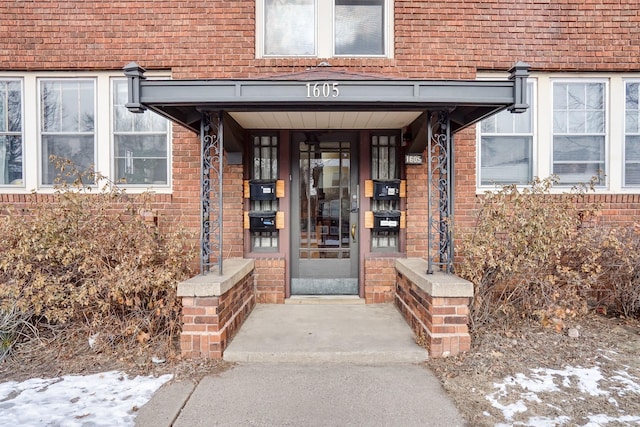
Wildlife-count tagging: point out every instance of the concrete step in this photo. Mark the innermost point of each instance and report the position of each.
(309, 333)
(324, 299)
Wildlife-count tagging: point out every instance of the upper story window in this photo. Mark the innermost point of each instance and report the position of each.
(67, 125)
(506, 146)
(579, 131)
(321, 28)
(10, 132)
(632, 135)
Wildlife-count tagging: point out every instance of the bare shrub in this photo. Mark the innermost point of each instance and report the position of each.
(619, 284)
(529, 254)
(87, 258)
(15, 326)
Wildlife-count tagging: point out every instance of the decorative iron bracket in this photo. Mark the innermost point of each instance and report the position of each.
(212, 153)
(440, 192)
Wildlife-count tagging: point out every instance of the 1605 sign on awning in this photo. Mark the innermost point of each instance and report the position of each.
(323, 90)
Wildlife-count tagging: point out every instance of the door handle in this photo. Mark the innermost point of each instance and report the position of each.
(353, 232)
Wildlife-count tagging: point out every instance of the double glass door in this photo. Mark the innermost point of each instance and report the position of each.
(324, 214)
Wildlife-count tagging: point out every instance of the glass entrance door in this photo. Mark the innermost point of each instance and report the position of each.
(324, 214)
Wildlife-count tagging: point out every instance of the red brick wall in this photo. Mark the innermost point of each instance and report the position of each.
(215, 38)
(209, 323)
(417, 213)
(440, 323)
(379, 279)
(233, 215)
(270, 280)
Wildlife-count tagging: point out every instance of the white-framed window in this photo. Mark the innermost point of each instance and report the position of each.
(632, 134)
(67, 125)
(585, 125)
(323, 28)
(140, 143)
(506, 142)
(579, 131)
(11, 164)
(79, 116)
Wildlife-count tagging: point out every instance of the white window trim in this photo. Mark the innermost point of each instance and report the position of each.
(19, 79)
(32, 149)
(607, 106)
(624, 134)
(324, 34)
(41, 161)
(112, 145)
(543, 127)
(481, 188)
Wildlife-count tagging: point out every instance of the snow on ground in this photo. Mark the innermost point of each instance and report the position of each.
(518, 394)
(106, 399)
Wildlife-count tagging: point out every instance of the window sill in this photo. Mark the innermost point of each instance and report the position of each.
(311, 62)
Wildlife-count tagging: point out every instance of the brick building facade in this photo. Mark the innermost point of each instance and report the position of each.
(63, 91)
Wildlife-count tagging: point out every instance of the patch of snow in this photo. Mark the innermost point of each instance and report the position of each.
(105, 399)
(545, 422)
(630, 383)
(576, 382)
(600, 420)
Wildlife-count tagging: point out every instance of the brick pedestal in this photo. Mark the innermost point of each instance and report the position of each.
(436, 306)
(270, 280)
(379, 280)
(214, 307)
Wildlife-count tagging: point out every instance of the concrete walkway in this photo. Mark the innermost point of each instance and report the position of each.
(313, 365)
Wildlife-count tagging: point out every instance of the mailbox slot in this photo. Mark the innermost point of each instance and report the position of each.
(260, 189)
(262, 221)
(386, 221)
(386, 189)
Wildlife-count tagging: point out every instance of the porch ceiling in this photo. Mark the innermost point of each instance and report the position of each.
(325, 119)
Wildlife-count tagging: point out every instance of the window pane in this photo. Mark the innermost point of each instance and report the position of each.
(67, 106)
(68, 114)
(505, 160)
(595, 96)
(359, 27)
(77, 148)
(632, 139)
(506, 156)
(141, 142)
(560, 96)
(10, 132)
(632, 174)
(632, 148)
(135, 170)
(14, 107)
(578, 148)
(595, 122)
(577, 173)
(579, 124)
(505, 121)
(141, 145)
(576, 96)
(631, 122)
(10, 160)
(632, 96)
(289, 27)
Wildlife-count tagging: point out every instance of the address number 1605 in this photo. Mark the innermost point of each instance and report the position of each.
(323, 90)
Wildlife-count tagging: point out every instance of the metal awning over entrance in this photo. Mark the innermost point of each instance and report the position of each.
(430, 112)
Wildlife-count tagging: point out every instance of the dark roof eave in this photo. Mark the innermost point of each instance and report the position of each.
(183, 100)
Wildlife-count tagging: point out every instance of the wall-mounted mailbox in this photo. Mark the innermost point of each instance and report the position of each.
(262, 221)
(260, 189)
(386, 221)
(386, 189)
